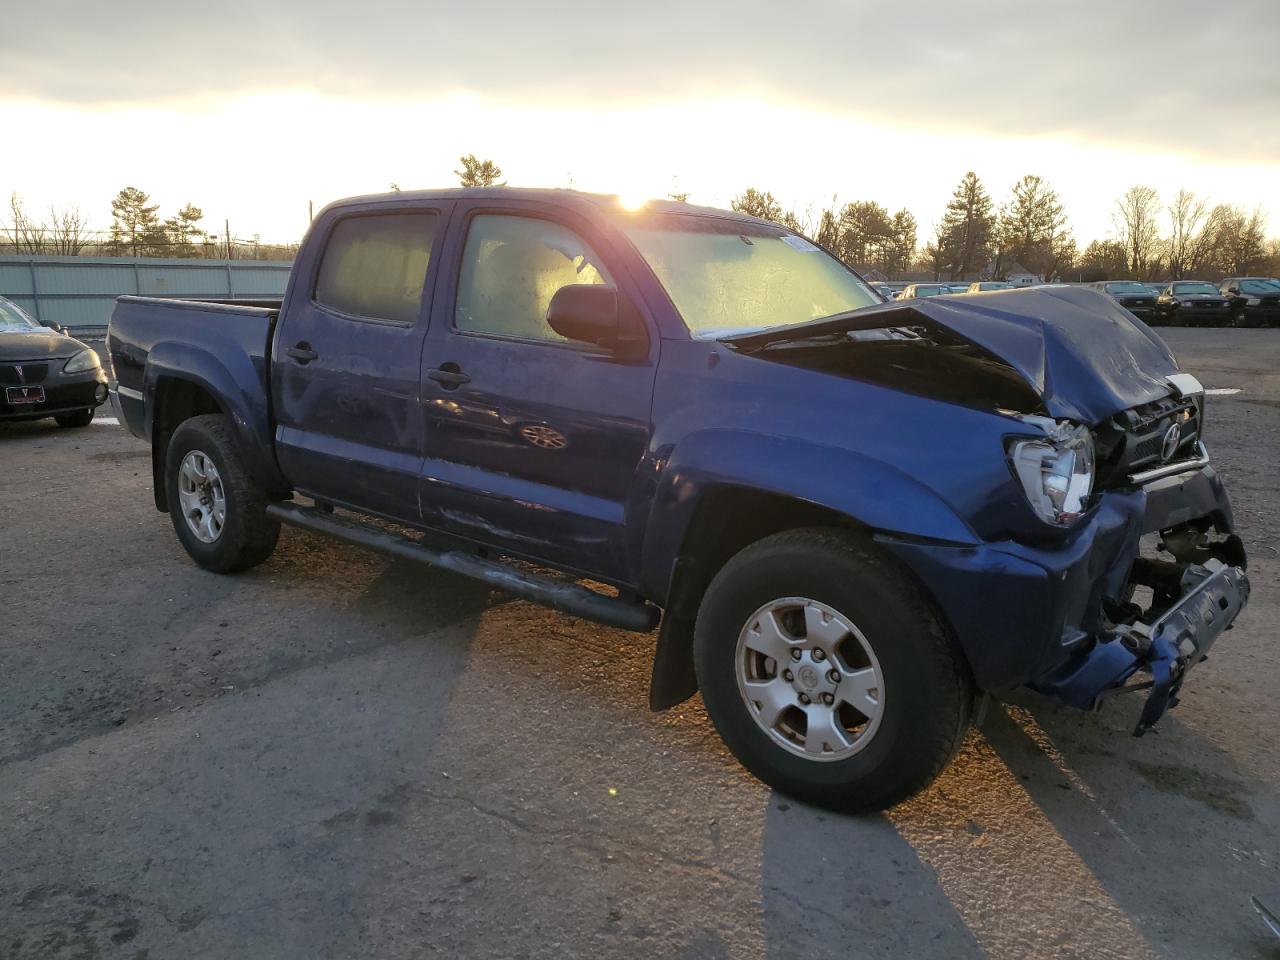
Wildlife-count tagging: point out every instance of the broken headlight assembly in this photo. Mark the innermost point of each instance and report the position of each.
(1056, 471)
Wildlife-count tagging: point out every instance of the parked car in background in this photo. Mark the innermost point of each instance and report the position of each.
(45, 373)
(918, 290)
(1155, 288)
(1255, 301)
(1135, 297)
(678, 407)
(884, 290)
(1192, 303)
(983, 286)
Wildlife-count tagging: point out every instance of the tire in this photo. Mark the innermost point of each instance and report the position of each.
(922, 708)
(80, 418)
(245, 536)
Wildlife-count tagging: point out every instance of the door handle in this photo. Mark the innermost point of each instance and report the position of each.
(448, 375)
(301, 352)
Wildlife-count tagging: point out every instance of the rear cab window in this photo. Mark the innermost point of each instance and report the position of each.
(374, 266)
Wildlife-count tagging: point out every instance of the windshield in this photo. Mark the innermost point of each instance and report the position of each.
(14, 320)
(1259, 286)
(1128, 286)
(729, 276)
(1195, 288)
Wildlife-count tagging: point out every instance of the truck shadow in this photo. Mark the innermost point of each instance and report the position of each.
(1039, 840)
(1179, 813)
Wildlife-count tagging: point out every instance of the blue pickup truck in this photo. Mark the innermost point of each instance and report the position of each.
(850, 517)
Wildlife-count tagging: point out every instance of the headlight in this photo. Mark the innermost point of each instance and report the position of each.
(1056, 472)
(82, 361)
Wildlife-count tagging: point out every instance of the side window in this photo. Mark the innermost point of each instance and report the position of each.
(375, 266)
(512, 267)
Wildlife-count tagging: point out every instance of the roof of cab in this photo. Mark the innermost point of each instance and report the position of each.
(606, 203)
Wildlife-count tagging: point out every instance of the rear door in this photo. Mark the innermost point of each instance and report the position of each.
(345, 369)
(532, 441)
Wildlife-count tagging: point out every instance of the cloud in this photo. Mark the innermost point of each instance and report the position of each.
(1171, 75)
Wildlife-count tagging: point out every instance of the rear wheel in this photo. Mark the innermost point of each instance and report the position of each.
(80, 418)
(828, 673)
(218, 511)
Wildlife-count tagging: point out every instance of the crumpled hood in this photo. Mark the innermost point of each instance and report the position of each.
(1083, 353)
(37, 345)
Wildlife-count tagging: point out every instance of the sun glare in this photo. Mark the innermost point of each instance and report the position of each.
(632, 202)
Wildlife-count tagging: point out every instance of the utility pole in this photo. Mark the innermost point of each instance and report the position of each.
(311, 210)
(226, 227)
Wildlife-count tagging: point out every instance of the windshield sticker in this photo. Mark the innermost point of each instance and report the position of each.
(800, 243)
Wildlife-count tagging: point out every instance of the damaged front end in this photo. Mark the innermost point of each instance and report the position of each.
(1183, 593)
(1194, 599)
(1134, 570)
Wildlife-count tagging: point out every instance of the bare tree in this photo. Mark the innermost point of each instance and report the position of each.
(24, 233)
(67, 233)
(1239, 240)
(1135, 219)
(1187, 238)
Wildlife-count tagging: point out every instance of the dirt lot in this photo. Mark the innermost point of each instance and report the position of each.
(337, 755)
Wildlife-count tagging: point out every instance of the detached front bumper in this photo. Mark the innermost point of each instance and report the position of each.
(1051, 618)
(1213, 594)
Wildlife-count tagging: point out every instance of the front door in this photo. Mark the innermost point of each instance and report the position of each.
(346, 362)
(532, 441)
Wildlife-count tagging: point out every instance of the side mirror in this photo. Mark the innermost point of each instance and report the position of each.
(589, 313)
(56, 328)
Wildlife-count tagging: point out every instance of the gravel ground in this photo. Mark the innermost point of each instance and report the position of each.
(339, 755)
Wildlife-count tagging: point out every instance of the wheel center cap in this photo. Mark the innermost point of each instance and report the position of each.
(808, 676)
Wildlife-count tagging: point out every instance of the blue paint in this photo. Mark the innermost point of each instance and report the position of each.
(596, 464)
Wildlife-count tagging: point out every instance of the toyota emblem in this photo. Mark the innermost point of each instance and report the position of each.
(1169, 445)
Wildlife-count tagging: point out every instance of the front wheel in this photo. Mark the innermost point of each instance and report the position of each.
(827, 672)
(217, 509)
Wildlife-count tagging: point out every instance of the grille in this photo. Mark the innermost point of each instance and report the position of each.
(1132, 441)
(31, 373)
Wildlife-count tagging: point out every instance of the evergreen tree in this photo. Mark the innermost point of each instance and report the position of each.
(181, 230)
(479, 173)
(965, 234)
(135, 228)
(758, 203)
(1032, 229)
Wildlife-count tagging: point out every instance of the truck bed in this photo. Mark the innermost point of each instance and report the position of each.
(222, 346)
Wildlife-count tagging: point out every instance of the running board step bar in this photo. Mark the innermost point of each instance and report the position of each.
(566, 597)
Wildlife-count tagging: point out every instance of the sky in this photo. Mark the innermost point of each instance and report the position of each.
(254, 110)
